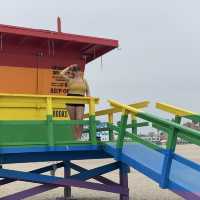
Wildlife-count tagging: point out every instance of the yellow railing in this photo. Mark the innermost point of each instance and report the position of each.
(111, 111)
(174, 110)
(124, 108)
(36, 107)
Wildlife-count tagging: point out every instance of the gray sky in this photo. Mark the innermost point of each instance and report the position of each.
(160, 44)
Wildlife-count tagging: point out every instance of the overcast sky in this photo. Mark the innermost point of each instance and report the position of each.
(159, 40)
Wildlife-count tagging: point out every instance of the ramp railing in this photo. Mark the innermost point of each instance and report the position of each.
(179, 114)
(172, 128)
(110, 115)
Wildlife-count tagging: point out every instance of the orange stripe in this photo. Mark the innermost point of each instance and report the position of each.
(30, 81)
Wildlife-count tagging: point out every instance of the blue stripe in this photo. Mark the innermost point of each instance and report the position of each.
(11, 150)
(186, 194)
(186, 162)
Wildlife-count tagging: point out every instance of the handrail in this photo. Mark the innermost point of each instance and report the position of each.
(138, 105)
(173, 130)
(67, 99)
(36, 96)
(154, 119)
(17, 107)
(17, 104)
(178, 111)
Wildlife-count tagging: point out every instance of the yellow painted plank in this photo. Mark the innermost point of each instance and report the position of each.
(124, 107)
(110, 118)
(36, 107)
(92, 107)
(32, 96)
(174, 110)
(49, 106)
(137, 105)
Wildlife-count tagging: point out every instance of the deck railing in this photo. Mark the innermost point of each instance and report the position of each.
(32, 119)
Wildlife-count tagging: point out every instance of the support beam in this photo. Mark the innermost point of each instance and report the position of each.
(67, 174)
(37, 171)
(54, 182)
(86, 175)
(123, 175)
(29, 192)
(57, 181)
(101, 179)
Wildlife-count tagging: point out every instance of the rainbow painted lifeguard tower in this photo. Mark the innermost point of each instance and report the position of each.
(34, 125)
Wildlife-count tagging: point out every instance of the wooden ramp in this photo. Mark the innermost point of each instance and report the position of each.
(184, 174)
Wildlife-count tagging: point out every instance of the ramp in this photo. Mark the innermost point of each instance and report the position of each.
(163, 165)
(184, 174)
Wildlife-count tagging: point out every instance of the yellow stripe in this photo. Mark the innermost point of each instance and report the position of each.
(36, 107)
(92, 107)
(110, 118)
(138, 105)
(124, 107)
(49, 106)
(174, 110)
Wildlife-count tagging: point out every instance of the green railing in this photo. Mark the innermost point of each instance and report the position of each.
(29, 120)
(114, 129)
(172, 128)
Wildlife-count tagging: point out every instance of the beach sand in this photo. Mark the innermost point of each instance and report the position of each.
(141, 187)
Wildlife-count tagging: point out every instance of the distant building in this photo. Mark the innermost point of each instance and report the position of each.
(193, 125)
(152, 137)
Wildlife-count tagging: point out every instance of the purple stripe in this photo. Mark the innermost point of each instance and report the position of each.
(188, 195)
(30, 192)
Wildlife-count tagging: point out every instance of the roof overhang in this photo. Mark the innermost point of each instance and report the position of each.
(90, 47)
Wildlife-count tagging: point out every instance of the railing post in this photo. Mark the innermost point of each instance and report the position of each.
(50, 122)
(134, 124)
(171, 145)
(92, 121)
(122, 132)
(110, 121)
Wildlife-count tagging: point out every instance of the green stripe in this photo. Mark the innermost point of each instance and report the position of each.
(22, 122)
(92, 128)
(122, 131)
(50, 130)
(195, 118)
(97, 130)
(30, 133)
(189, 139)
(110, 131)
(72, 122)
(138, 139)
(141, 124)
(169, 124)
(157, 126)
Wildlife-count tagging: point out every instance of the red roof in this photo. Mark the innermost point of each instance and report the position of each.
(90, 47)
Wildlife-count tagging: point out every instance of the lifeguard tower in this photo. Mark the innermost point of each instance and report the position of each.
(34, 125)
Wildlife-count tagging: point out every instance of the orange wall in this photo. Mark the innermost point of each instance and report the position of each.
(31, 80)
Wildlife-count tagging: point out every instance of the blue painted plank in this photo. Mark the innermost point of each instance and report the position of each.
(52, 156)
(143, 159)
(148, 157)
(185, 176)
(187, 162)
(183, 192)
(11, 150)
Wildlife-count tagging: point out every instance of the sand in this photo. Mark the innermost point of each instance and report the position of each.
(141, 187)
